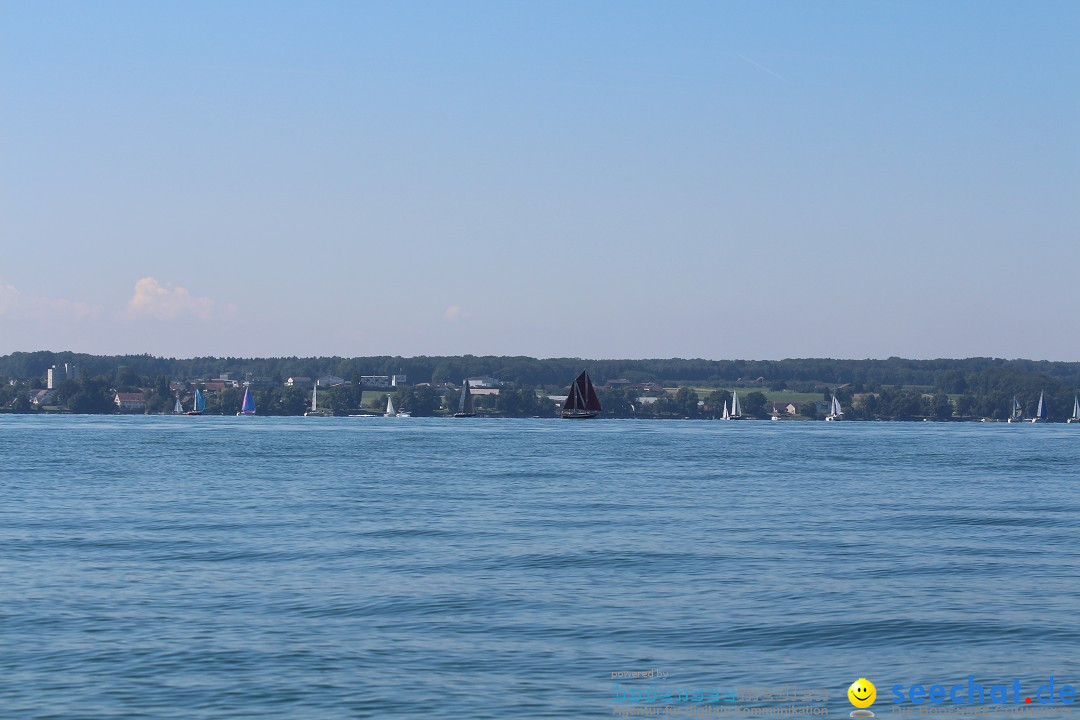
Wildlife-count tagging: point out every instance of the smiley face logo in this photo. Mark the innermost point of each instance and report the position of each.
(862, 693)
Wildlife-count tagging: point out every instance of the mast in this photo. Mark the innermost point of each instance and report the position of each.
(315, 397)
(736, 408)
(727, 415)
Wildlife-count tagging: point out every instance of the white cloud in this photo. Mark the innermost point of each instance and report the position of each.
(16, 304)
(167, 302)
(455, 313)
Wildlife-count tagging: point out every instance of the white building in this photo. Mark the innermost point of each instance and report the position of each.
(130, 402)
(484, 381)
(330, 381)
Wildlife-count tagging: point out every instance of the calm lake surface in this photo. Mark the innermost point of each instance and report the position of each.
(223, 567)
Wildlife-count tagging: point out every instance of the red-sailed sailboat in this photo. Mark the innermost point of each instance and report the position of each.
(581, 402)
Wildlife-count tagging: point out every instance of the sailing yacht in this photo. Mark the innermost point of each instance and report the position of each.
(390, 412)
(199, 405)
(1076, 410)
(178, 409)
(581, 401)
(727, 415)
(1017, 411)
(315, 411)
(835, 411)
(736, 407)
(1040, 412)
(248, 408)
(465, 408)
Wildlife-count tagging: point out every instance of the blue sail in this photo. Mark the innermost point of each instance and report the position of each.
(200, 401)
(249, 403)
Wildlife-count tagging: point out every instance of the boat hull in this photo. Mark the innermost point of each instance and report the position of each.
(462, 414)
(192, 412)
(832, 418)
(579, 415)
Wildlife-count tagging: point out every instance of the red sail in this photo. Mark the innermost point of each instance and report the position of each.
(592, 403)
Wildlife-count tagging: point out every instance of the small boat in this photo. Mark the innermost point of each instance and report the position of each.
(1040, 412)
(1017, 412)
(248, 408)
(199, 405)
(835, 411)
(178, 409)
(390, 412)
(581, 401)
(465, 408)
(736, 407)
(315, 411)
(727, 415)
(1076, 410)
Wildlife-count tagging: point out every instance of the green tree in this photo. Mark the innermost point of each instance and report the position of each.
(22, 402)
(755, 404)
(715, 401)
(418, 401)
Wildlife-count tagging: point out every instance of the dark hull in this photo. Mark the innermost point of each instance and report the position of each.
(464, 414)
(579, 415)
(192, 412)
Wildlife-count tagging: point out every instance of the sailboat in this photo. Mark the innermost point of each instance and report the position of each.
(835, 411)
(727, 415)
(199, 405)
(736, 407)
(1040, 412)
(1017, 411)
(248, 408)
(1076, 410)
(465, 408)
(178, 409)
(315, 411)
(390, 412)
(581, 401)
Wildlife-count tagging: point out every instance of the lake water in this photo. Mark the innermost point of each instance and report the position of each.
(179, 567)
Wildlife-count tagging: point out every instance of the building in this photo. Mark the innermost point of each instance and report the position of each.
(130, 402)
(782, 408)
(383, 380)
(330, 381)
(41, 397)
(300, 380)
(484, 381)
(59, 373)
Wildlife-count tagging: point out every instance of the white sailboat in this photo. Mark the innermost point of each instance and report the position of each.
(391, 412)
(1017, 412)
(315, 411)
(835, 411)
(736, 407)
(1040, 412)
(178, 409)
(1076, 410)
(727, 415)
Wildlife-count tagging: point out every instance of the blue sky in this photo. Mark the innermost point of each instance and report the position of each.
(598, 179)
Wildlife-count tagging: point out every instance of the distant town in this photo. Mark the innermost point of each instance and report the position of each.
(984, 389)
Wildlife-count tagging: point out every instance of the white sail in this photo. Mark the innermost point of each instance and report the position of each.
(178, 408)
(390, 407)
(1041, 412)
(736, 408)
(836, 409)
(727, 415)
(1076, 407)
(315, 398)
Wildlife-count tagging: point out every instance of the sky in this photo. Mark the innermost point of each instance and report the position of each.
(605, 179)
